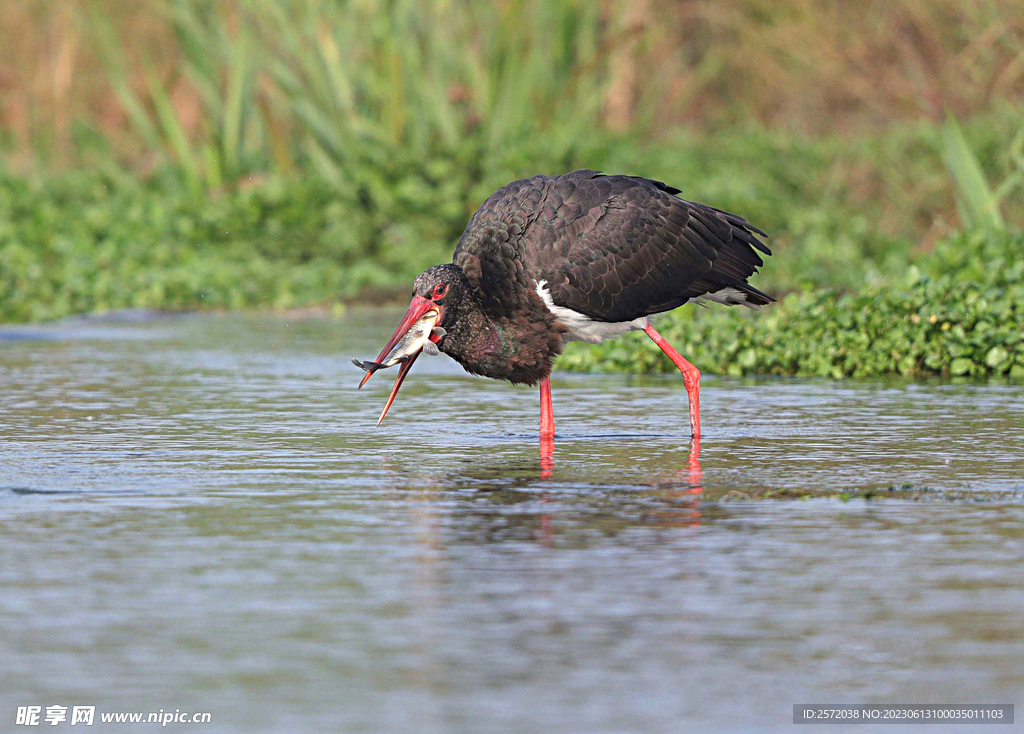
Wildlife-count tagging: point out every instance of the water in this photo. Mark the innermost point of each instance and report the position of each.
(198, 513)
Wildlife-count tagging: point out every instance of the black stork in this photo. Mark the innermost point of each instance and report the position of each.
(581, 256)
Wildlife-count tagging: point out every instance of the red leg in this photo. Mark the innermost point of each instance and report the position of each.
(547, 431)
(547, 415)
(691, 377)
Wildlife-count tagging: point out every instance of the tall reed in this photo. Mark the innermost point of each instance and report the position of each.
(227, 88)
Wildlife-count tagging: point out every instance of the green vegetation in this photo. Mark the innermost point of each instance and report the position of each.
(854, 307)
(191, 154)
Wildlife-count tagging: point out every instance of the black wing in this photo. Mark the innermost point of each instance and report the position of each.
(492, 249)
(620, 247)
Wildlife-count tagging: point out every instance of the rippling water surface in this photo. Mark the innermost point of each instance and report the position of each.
(198, 513)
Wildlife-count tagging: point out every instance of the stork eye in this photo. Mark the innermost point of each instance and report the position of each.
(439, 291)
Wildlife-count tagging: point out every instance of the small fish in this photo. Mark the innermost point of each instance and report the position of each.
(368, 365)
(415, 340)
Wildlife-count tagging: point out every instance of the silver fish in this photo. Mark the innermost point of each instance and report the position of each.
(415, 340)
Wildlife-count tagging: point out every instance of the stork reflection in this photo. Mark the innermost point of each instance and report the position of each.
(547, 456)
(694, 474)
(691, 475)
(686, 483)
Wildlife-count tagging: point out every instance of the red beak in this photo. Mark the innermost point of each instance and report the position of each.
(402, 372)
(417, 308)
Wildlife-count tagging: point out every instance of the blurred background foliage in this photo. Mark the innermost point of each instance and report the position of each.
(227, 88)
(278, 153)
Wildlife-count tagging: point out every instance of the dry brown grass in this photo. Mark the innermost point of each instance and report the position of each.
(808, 65)
(824, 64)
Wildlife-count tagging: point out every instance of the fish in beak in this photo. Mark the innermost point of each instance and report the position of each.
(416, 333)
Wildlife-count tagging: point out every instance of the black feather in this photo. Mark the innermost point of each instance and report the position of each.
(612, 247)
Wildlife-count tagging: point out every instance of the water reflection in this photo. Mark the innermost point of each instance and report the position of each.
(690, 475)
(689, 482)
(547, 467)
(676, 492)
(547, 456)
(694, 474)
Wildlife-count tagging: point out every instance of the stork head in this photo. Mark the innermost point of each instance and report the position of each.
(440, 289)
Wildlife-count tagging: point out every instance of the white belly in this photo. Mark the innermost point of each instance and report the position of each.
(583, 328)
